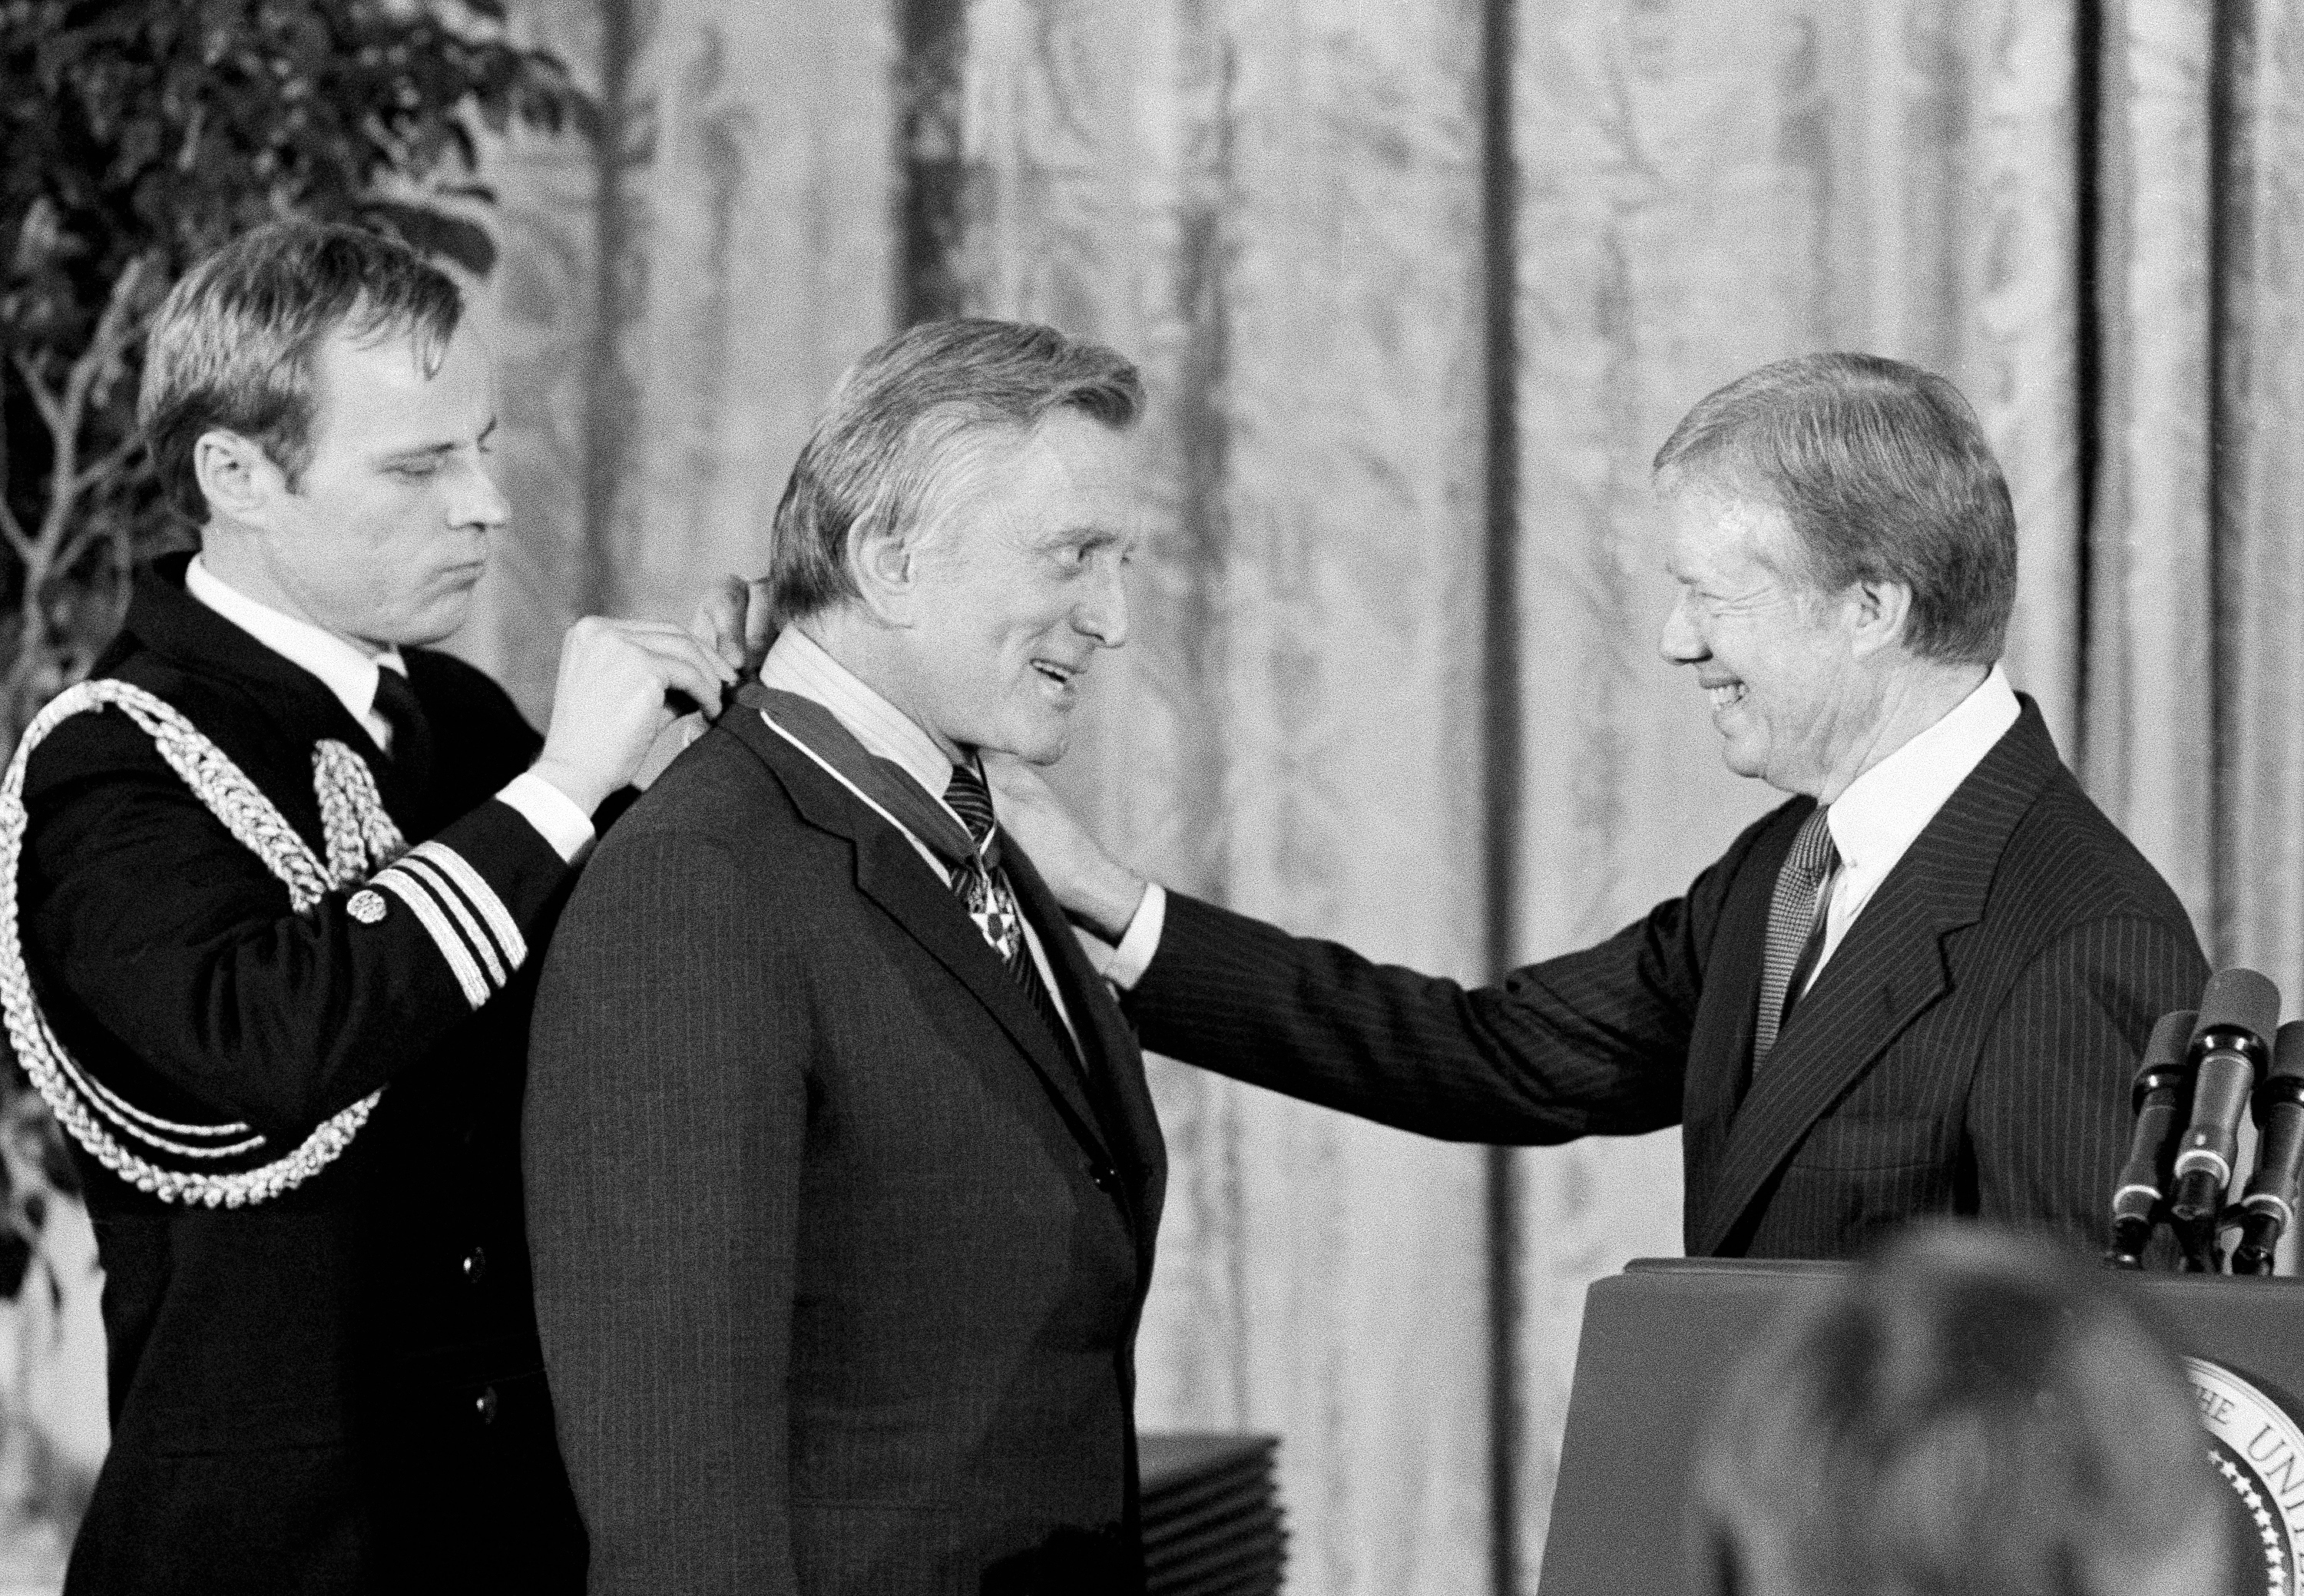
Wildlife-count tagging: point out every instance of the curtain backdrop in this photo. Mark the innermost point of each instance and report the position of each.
(1418, 289)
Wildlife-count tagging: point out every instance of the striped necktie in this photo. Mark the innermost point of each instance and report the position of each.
(1795, 921)
(982, 884)
(968, 847)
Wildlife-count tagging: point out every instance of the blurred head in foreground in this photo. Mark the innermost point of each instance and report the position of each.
(1971, 1413)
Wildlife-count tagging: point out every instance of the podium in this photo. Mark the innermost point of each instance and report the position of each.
(1661, 1340)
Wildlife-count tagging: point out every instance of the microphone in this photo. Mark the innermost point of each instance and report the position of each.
(2162, 1084)
(2230, 1051)
(2269, 1207)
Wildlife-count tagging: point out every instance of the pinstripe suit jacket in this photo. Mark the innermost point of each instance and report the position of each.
(838, 1261)
(1967, 1049)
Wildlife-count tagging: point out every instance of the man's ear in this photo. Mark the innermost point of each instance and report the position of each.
(885, 564)
(237, 479)
(1882, 611)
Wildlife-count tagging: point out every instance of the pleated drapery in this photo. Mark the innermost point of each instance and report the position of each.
(1418, 288)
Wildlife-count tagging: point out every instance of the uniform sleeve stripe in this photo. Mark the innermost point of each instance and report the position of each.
(426, 871)
(482, 898)
(418, 899)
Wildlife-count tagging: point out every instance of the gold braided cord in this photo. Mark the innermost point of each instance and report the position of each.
(360, 835)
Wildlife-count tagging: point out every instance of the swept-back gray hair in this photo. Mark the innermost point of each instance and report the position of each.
(1884, 474)
(233, 346)
(895, 423)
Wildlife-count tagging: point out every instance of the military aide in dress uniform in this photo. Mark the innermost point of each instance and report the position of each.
(280, 876)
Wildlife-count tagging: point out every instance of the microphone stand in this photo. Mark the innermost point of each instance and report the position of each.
(2197, 1240)
(2269, 1208)
(2259, 1240)
(2230, 1053)
(2161, 1102)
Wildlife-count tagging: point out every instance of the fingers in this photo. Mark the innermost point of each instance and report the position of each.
(681, 662)
(1015, 782)
(759, 625)
(718, 623)
(705, 678)
(1092, 885)
(735, 622)
(615, 678)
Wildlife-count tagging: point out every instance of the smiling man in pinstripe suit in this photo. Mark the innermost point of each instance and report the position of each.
(1920, 987)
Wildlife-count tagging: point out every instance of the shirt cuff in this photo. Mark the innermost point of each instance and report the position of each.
(1141, 940)
(554, 813)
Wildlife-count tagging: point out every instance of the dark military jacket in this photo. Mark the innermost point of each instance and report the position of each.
(337, 1387)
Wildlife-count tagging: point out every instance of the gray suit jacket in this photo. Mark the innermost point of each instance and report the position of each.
(838, 1261)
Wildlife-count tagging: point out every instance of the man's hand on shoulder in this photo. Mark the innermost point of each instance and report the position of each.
(609, 704)
(1093, 888)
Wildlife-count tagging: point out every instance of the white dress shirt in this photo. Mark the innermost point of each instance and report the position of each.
(1872, 823)
(798, 664)
(351, 672)
(1884, 809)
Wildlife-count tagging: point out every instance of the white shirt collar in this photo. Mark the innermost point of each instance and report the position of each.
(345, 670)
(1885, 809)
(798, 664)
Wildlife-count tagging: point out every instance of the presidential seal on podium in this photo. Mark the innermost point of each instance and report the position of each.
(2258, 1450)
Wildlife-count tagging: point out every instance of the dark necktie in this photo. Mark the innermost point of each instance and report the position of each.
(983, 886)
(411, 733)
(968, 847)
(1795, 929)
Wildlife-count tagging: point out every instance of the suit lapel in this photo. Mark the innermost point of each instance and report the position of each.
(1109, 1046)
(890, 873)
(1720, 1044)
(1889, 969)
